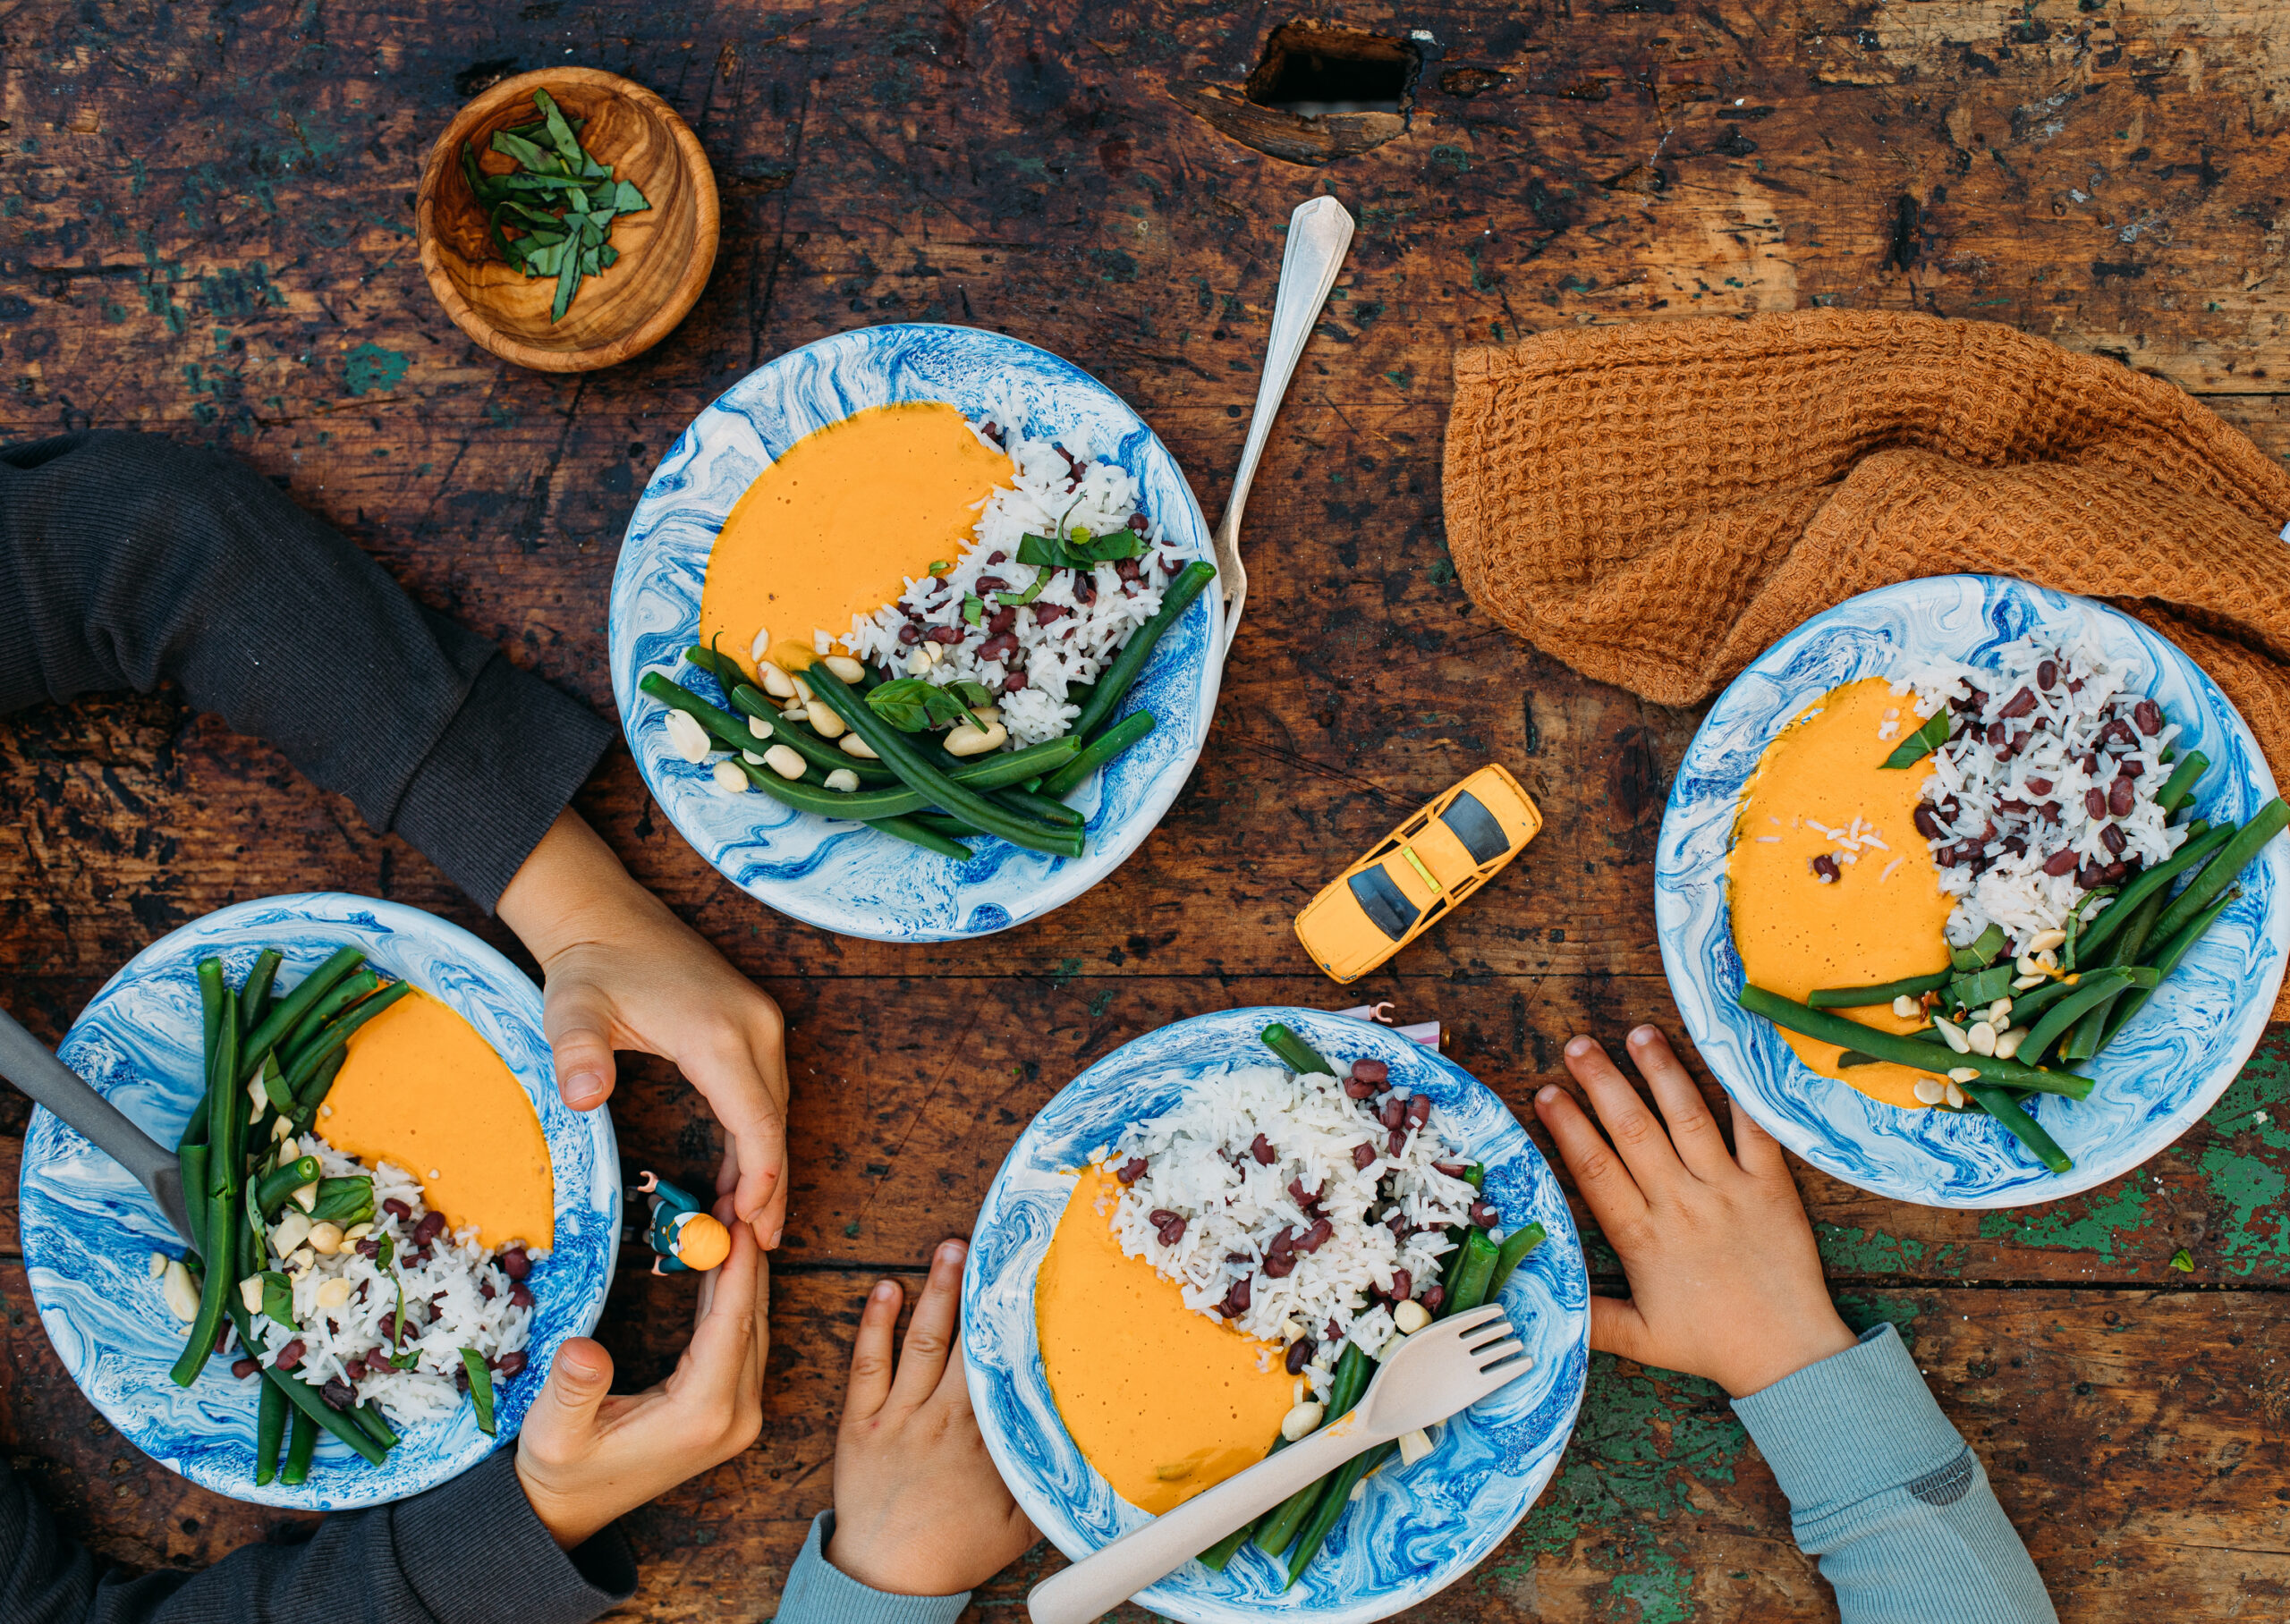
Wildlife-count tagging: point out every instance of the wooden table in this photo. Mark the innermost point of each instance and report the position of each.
(205, 230)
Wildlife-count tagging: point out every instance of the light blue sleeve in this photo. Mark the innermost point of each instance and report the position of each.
(1883, 1491)
(819, 1593)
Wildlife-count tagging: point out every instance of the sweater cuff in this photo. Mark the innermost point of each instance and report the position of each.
(820, 1593)
(523, 1575)
(1850, 1425)
(495, 781)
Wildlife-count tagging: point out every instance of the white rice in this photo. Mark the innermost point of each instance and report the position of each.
(1084, 626)
(447, 1308)
(1198, 1165)
(2008, 794)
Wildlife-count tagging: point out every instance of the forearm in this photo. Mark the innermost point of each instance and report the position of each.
(127, 561)
(468, 1553)
(819, 1593)
(1883, 1491)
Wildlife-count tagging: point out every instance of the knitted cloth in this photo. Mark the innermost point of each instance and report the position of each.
(1657, 504)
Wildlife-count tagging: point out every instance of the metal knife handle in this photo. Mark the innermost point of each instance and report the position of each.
(32, 1067)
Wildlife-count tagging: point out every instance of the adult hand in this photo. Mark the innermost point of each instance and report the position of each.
(587, 1455)
(622, 972)
(1725, 1279)
(918, 1508)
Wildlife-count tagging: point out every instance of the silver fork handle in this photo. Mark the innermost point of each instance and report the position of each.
(1320, 233)
(1103, 1581)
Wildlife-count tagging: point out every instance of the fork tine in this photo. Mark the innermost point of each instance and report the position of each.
(1496, 1353)
(1472, 1320)
(1493, 1330)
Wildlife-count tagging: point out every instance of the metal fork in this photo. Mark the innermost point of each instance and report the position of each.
(27, 1062)
(1441, 1369)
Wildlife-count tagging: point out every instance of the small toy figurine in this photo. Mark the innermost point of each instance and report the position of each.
(683, 1232)
(1419, 873)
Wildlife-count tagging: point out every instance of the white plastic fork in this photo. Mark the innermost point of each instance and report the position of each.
(1442, 1369)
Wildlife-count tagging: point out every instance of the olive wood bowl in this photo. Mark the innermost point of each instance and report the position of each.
(666, 251)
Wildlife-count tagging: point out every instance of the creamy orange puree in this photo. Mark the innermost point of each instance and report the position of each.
(422, 1090)
(1164, 1402)
(836, 526)
(1796, 932)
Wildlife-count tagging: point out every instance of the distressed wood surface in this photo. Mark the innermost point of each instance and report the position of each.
(206, 229)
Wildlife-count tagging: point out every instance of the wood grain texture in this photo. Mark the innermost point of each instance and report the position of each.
(207, 228)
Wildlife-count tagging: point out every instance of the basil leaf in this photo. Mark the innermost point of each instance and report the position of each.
(480, 1388)
(974, 610)
(278, 1298)
(902, 704)
(1019, 600)
(970, 692)
(560, 133)
(524, 152)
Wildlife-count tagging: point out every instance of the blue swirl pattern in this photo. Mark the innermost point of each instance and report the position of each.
(89, 1227)
(1419, 1529)
(2151, 1084)
(843, 876)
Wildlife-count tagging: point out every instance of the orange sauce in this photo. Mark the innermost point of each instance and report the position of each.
(1162, 1401)
(1796, 932)
(838, 524)
(422, 1090)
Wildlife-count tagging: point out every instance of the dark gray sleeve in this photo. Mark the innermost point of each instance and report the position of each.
(127, 559)
(468, 1553)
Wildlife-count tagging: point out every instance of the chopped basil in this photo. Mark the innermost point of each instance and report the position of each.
(278, 1298)
(911, 705)
(1080, 550)
(974, 611)
(560, 200)
(480, 1388)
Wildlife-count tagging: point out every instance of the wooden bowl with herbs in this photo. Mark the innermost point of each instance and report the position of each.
(567, 219)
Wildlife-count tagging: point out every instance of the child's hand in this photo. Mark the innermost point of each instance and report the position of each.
(622, 972)
(587, 1455)
(1725, 1279)
(918, 1508)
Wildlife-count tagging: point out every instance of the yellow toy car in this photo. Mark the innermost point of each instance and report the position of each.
(1419, 875)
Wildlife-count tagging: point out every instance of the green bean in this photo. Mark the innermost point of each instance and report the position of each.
(279, 1183)
(1114, 686)
(2181, 784)
(924, 778)
(377, 1426)
(1040, 805)
(797, 736)
(2166, 958)
(1999, 1103)
(1294, 1053)
(305, 1397)
(269, 1431)
(1884, 992)
(329, 1039)
(1333, 1500)
(2199, 845)
(2096, 988)
(938, 823)
(214, 1291)
(191, 1160)
(1279, 1526)
(2026, 1005)
(1478, 1267)
(321, 1083)
(1099, 751)
(304, 1444)
(1922, 742)
(195, 1131)
(1903, 1051)
(1982, 952)
(1475, 1175)
(2084, 1041)
(254, 996)
(2232, 859)
(274, 1085)
(1514, 1250)
(275, 1028)
(292, 1053)
(1226, 1549)
(722, 667)
(914, 830)
(227, 1106)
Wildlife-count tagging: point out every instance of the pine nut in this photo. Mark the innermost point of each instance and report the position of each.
(289, 1232)
(1955, 1097)
(687, 737)
(307, 1196)
(2026, 982)
(333, 1293)
(776, 682)
(824, 721)
(284, 1130)
(783, 761)
(1301, 1421)
(1931, 1090)
(794, 711)
(1410, 1317)
(156, 1264)
(935, 653)
(2044, 940)
(256, 1097)
(2026, 965)
(987, 716)
(822, 640)
(802, 688)
(843, 779)
(917, 663)
(1413, 1446)
(1954, 1033)
(251, 1293)
(182, 1297)
(2007, 1043)
(1907, 1008)
(751, 758)
(1999, 1013)
(357, 1233)
(1964, 1074)
(843, 666)
(970, 740)
(1980, 1037)
(2046, 960)
(761, 645)
(325, 1238)
(728, 777)
(853, 745)
(758, 726)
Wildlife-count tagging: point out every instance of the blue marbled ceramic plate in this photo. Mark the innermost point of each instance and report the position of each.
(843, 876)
(89, 1228)
(1419, 1529)
(2152, 1083)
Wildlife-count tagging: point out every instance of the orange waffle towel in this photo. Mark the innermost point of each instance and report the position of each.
(1655, 504)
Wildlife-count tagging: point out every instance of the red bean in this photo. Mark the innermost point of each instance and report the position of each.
(2039, 786)
(1396, 1140)
(396, 1208)
(338, 1393)
(985, 583)
(432, 1225)
(2095, 801)
(1394, 1114)
(1419, 1110)
(949, 634)
(1131, 1170)
(1280, 1267)
(2047, 674)
(2091, 875)
(1432, 1296)
(244, 1368)
(2019, 704)
(1402, 1285)
(520, 1296)
(2053, 812)
(290, 1356)
(1484, 1215)
(1358, 1089)
(515, 1263)
(1261, 1149)
(2119, 796)
(1003, 619)
(1371, 1071)
(1161, 1215)
(1013, 681)
(1236, 1299)
(510, 1364)
(2112, 838)
(1316, 1236)
(995, 648)
(1296, 1188)
(1300, 1354)
(2148, 715)
(1047, 614)
(1927, 825)
(1362, 1153)
(1825, 869)
(371, 1247)
(909, 634)
(2059, 863)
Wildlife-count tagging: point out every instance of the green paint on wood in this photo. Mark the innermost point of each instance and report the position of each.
(1851, 1251)
(2082, 1224)
(370, 369)
(1860, 1313)
(2246, 1169)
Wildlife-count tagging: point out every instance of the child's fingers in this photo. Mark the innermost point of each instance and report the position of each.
(930, 1333)
(870, 1353)
(1755, 1149)
(1616, 1327)
(563, 1417)
(1638, 1137)
(1692, 1130)
(1614, 1199)
(727, 1075)
(576, 1017)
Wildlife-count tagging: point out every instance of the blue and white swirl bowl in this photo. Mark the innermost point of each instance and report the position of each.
(1416, 1529)
(843, 876)
(2155, 1080)
(89, 1229)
